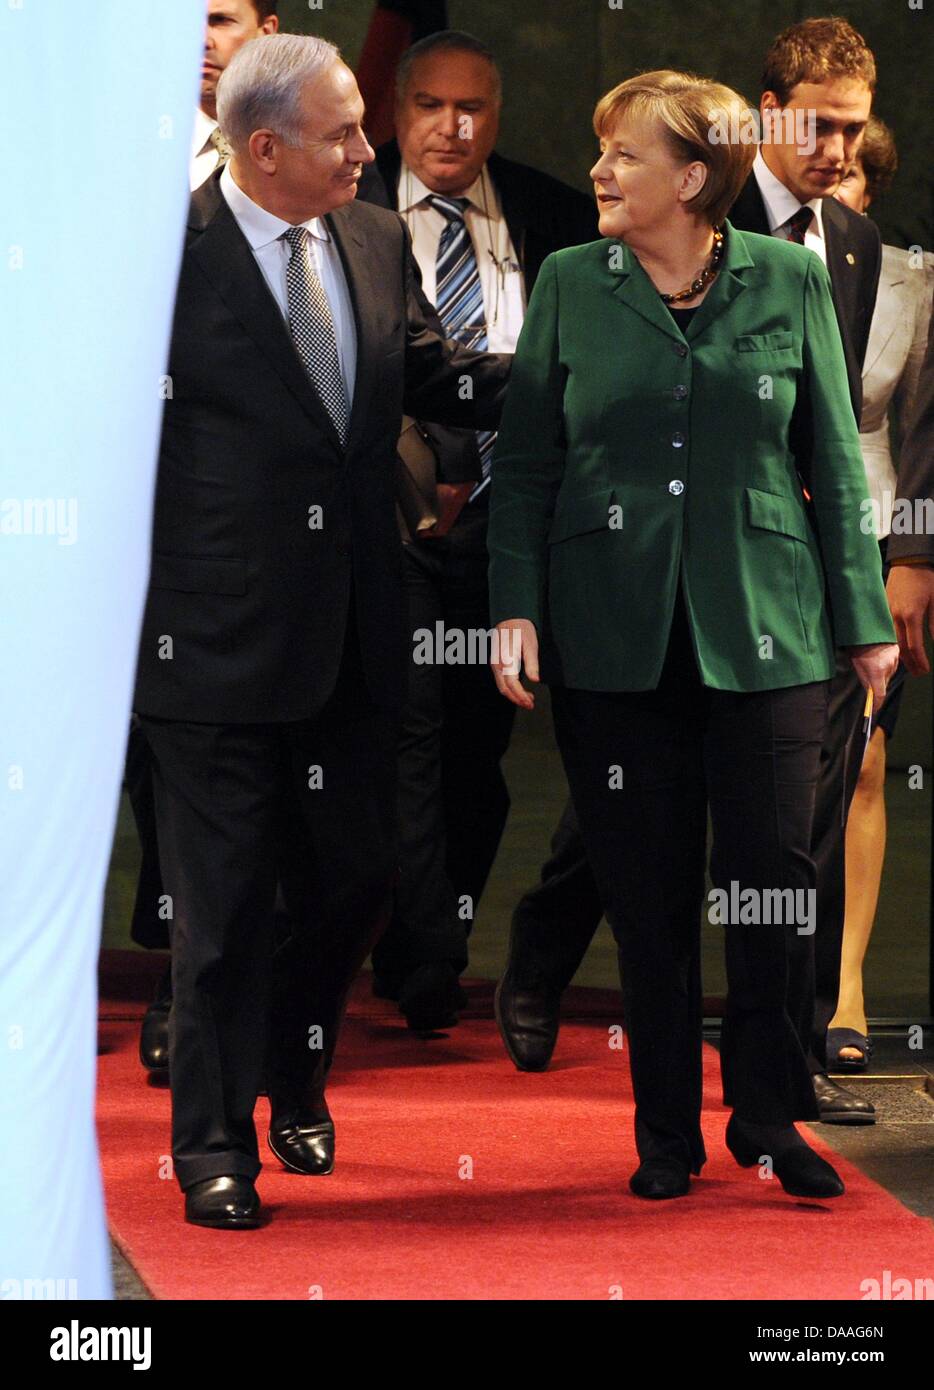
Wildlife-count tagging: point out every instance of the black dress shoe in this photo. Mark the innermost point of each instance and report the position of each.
(659, 1178)
(528, 1021)
(801, 1172)
(840, 1107)
(227, 1203)
(302, 1142)
(387, 987)
(154, 1036)
(430, 997)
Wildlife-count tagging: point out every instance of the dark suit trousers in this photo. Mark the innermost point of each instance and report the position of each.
(149, 927)
(235, 811)
(753, 759)
(453, 798)
(553, 923)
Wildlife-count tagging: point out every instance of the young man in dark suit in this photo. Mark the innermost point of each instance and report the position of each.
(820, 71)
(494, 221)
(272, 658)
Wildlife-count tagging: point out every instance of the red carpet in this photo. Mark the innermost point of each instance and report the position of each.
(546, 1213)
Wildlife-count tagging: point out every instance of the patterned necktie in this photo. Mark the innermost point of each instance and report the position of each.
(313, 329)
(459, 300)
(798, 224)
(224, 151)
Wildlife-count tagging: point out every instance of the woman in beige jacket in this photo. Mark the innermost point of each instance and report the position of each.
(897, 342)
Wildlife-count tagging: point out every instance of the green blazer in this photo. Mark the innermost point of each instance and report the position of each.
(631, 457)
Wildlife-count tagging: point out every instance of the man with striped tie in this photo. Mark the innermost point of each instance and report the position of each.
(481, 226)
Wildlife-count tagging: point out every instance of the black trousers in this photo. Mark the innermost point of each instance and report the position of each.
(150, 925)
(554, 922)
(643, 769)
(238, 808)
(453, 798)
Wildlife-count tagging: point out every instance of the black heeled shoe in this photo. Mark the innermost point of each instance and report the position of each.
(659, 1178)
(801, 1172)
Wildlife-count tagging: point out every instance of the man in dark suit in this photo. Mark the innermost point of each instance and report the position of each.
(494, 221)
(911, 548)
(272, 656)
(821, 66)
(229, 24)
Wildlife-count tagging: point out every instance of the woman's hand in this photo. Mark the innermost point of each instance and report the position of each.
(516, 648)
(875, 665)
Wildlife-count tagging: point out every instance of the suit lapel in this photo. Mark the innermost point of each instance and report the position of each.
(727, 286)
(842, 263)
(891, 295)
(365, 294)
(515, 212)
(748, 212)
(225, 257)
(632, 287)
(635, 289)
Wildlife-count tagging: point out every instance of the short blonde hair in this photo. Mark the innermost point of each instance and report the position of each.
(695, 114)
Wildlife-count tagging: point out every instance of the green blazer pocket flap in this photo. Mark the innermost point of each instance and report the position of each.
(769, 512)
(199, 574)
(766, 342)
(577, 515)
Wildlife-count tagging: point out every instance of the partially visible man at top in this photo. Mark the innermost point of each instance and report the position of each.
(230, 24)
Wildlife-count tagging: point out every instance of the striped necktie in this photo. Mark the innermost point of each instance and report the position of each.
(459, 300)
(798, 224)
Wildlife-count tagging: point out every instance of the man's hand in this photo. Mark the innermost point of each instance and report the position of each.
(910, 591)
(517, 643)
(875, 665)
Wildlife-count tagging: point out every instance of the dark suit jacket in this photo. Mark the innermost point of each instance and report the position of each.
(854, 282)
(916, 461)
(542, 214)
(250, 586)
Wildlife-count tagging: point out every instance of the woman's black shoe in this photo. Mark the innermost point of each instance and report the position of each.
(801, 1172)
(661, 1177)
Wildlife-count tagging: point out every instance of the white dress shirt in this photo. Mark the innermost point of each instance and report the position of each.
(264, 231)
(203, 154)
(781, 203)
(501, 281)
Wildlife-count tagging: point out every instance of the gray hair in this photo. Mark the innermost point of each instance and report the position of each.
(261, 87)
(445, 41)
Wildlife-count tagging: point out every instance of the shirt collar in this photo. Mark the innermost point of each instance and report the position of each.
(412, 192)
(260, 227)
(780, 202)
(204, 125)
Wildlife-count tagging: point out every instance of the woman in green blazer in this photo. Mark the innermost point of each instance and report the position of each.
(675, 526)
